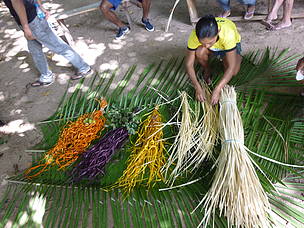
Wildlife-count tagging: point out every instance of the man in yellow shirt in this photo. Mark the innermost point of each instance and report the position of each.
(217, 36)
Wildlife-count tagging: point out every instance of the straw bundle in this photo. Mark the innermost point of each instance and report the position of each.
(147, 156)
(236, 189)
(206, 132)
(180, 151)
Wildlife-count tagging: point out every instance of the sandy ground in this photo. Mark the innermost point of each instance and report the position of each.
(21, 108)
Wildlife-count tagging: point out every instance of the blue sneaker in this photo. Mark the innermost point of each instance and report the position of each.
(122, 32)
(148, 25)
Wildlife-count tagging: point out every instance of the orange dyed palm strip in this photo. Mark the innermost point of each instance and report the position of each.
(73, 141)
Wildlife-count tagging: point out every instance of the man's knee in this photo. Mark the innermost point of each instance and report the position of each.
(105, 6)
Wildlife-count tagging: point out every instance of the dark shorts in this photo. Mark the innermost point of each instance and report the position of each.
(221, 54)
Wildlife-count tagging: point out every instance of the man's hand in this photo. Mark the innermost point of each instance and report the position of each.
(200, 94)
(47, 13)
(215, 96)
(300, 65)
(28, 33)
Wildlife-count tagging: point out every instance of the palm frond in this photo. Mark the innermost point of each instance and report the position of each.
(270, 130)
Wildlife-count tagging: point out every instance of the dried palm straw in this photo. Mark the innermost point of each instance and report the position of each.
(180, 151)
(206, 132)
(147, 156)
(236, 189)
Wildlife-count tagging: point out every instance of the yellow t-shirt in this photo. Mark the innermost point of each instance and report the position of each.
(228, 36)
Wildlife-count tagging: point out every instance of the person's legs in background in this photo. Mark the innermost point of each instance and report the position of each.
(107, 7)
(273, 14)
(225, 5)
(146, 4)
(35, 48)
(250, 9)
(45, 36)
(286, 20)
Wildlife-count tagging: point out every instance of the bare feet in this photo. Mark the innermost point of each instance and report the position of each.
(225, 14)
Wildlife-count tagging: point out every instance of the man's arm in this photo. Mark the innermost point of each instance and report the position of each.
(20, 10)
(231, 61)
(190, 59)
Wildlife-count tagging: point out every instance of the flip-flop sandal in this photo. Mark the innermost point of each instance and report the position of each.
(228, 14)
(41, 84)
(248, 15)
(267, 23)
(276, 28)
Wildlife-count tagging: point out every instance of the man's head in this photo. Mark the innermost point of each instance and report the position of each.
(207, 31)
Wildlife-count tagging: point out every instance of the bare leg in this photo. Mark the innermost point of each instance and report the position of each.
(288, 4)
(237, 66)
(146, 4)
(273, 15)
(202, 56)
(286, 20)
(250, 9)
(105, 8)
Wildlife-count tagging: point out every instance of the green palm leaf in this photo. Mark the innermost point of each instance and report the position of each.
(269, 131)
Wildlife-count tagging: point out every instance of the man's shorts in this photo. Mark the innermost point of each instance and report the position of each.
(115, 3)
(222, 54)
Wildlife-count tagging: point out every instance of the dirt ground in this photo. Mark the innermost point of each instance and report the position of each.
(22, 108)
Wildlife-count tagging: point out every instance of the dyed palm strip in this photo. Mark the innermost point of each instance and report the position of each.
(94, 160)
(147, 156)
(74, 139)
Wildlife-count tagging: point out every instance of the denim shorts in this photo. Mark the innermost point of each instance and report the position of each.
(222, 54)
(115, 3)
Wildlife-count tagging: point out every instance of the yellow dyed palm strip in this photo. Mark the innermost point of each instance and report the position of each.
(147, 156)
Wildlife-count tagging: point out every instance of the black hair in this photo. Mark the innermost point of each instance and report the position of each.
(206, 27)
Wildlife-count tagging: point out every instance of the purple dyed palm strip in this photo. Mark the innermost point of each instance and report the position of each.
(95, 159)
